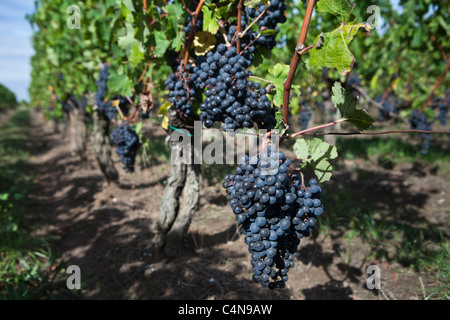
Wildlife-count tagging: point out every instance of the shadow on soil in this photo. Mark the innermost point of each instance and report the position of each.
(112, 244)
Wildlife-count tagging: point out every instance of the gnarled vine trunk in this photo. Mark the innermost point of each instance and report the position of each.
(81, 135)
(179, 203)
(102, 148)
(77, 134)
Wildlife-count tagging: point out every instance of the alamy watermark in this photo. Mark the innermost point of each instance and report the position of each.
(373, 281)
(74, 281)
(374, 20)
(74, 20)
(224, 148)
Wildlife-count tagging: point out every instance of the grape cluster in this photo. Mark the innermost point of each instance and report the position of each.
(230, 97)
(443, 106)
(182, 90)
(101, 85)
(389, 107)
(198, 23)
(418, 121)
(111, 111)
(353, 79)
(269, 21)
(67, 107)
(127, 145)
(274, 210)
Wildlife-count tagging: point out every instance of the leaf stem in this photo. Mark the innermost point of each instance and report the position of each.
(436, 86)
(315, 128)
(258, 78)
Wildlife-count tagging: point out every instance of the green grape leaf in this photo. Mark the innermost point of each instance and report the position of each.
(178, 41)
(161, 43)
(128, 40)
(316, 154)
(323, 170)
(120, 83)
(279, 74)
(127, 10)
(334, 52)
(210, 16)
(280, 123)
(175, 11)
(138, 127)
(342, 9)
(137, 53)
(346, 103)
(129, 5)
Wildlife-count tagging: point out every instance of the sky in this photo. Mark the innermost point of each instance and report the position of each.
(15, 46)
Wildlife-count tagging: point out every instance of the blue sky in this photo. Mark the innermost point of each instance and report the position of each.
(15, 45)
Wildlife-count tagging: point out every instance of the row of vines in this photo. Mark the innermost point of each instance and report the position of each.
(241, 67)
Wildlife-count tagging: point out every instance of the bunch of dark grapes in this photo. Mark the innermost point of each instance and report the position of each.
(443, 112)
(274, 211)
(389, 107)
(230, 97)
(127, 145)
(269, 21)
(198, 23)
(101, 85)
(182, 91)
(67, 107)
(111, 111)
(144, 115)
(353, 79)
(418, 121)
(443, 106)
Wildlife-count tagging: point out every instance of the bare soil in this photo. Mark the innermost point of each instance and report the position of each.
(106, 231)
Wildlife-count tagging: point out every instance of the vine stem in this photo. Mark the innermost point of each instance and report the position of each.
(192, 33)
(185, 7)
(315, 128)
(238, 41)
(368, 133)
(295, 60)
(121, 114)
(241, 35)
(250, 44)
(436, 86)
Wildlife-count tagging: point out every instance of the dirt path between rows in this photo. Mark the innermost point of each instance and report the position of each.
(106, 232)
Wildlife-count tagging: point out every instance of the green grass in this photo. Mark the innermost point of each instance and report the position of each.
(415, 247)
(28, 268)
(395, 149)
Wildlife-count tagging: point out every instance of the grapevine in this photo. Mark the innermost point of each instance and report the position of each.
(275, 211)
